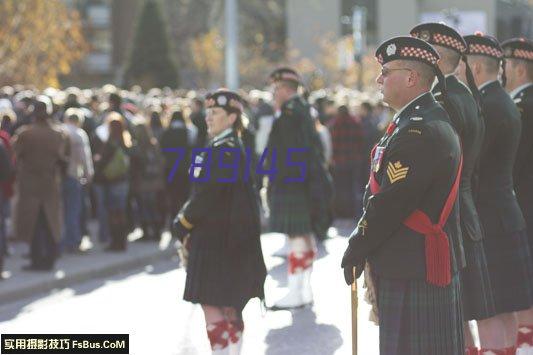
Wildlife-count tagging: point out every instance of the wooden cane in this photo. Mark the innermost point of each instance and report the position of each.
(354, 313)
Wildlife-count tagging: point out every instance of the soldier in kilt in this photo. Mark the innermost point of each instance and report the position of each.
(465, 115)
(295, 144)
(409, 235)
(505, 239)
(518, 53)
(225, 265)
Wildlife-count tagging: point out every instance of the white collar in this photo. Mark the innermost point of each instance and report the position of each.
(486, 83)
(399, 112)
(222, 134)
(517, 90)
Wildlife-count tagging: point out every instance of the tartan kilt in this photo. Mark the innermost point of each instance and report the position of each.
(416, 318)
(478, 301)
(217, 278)
(290, 209)
(510, 270)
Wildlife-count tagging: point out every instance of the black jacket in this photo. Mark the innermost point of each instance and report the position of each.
(292, 131)
(417, 170)
(497, 205)
(222, 212)
(523, 167)
(468, 123)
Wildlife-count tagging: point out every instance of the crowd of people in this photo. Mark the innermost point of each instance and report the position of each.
(115, 154)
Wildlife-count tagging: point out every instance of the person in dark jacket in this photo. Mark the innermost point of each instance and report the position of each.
(478, 302)
(111, 178)
(198, 119)
(505, 240)
(411, 262)
(6, 169)
(176, 142)
(518, 53)
(347, 140)
(225, 267)
(147, 181)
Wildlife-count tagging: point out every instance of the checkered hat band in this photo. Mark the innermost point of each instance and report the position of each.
(439, 38)
(484, 49)
(380, 59)
(419, 53)
(523, 54)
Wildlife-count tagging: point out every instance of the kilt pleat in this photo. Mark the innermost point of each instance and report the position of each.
(417, 318)
(290, 210)
(218, 279)
(510, 271)
(478, 301)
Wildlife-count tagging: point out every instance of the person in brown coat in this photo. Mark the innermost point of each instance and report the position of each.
(41, 153)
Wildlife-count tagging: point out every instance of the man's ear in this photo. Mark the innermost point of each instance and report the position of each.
(412, 79)
(521, 70)
(476, 67)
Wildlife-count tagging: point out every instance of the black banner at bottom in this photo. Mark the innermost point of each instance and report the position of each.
(65, 344)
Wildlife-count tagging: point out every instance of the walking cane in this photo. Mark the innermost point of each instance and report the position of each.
(354, 313)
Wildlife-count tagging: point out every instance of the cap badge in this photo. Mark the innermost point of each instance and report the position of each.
(391, 49)
(424, 35)
(222, 100)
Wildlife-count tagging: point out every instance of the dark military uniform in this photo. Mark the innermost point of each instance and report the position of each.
(521, 49)
(506, 245)
(225, 266)
(290, 201)
(523, 168)
(415, 165)
(477, 292)
(477, 297)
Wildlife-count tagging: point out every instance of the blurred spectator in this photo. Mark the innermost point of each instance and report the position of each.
(325, 139)
(371, 134)
(79, 173)
(198, 119)
(156, 126)
(6, 183)
(265, 118)
(6, 176)
(112, 169)
(23, 104)
(9, 120)
(147, 180)
(41, 155)
(178, 135)
(347, 138)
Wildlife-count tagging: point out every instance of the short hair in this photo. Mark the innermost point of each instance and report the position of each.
(449, 57)
(425, 71)
(528, 65)
(490, 65)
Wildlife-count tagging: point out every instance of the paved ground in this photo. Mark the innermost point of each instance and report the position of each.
(143, 299)
(146, 303)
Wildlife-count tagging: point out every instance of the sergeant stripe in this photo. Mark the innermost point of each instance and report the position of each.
(396, 174)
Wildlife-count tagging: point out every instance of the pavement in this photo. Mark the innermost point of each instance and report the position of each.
(146, 303)
(75, 268)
